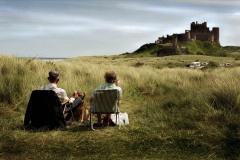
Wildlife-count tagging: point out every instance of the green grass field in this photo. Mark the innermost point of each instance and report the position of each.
(174, 112)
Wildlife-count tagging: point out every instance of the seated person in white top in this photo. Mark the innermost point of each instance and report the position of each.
(111, 82)
(61, 93)
(53, 80)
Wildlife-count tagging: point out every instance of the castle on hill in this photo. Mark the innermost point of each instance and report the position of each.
(197, 32)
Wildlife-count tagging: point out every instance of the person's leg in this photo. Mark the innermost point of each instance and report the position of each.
(75, 106)
(69, 115)
(99, 115)
(77, 102)
(87, 114)
(108, 116)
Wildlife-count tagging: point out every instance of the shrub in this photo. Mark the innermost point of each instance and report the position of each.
(212, 64)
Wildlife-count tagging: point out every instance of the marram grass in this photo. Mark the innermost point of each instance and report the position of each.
(174, 113)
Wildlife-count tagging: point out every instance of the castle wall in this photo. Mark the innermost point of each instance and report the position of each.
(199, 28)
(201, 37)
(198, 32)
(187, 35)
(182, 37)
(215, 32)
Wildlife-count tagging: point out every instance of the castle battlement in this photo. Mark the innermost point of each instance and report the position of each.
(198, 31)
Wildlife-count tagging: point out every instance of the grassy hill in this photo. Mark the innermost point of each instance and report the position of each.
(186, 47)
(174, 112)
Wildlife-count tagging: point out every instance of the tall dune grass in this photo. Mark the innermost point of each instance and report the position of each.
(174, 113)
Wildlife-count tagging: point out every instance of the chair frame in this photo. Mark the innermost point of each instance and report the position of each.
(105, 102)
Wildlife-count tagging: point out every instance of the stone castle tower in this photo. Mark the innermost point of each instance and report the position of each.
(197, 32)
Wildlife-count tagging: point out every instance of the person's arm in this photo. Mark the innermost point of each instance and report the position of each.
(63, 97)
(65, 101)
(117, 82)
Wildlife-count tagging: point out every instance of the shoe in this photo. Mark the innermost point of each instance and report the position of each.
(69, 123)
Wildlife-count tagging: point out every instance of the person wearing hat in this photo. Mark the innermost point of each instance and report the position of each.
(53, 79)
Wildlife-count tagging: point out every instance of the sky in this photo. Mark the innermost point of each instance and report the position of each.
(73, 28)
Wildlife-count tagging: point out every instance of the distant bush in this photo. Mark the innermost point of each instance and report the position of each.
(237, 57)
(200, 53)
(212, 64)
(138, 64)
(126, 53)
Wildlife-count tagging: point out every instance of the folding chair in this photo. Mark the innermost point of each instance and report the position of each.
(105, 102)
(44, 110)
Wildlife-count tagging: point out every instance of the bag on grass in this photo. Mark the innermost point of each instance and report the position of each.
(122, 119)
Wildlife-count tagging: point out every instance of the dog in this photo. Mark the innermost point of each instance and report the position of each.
(82, 111)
